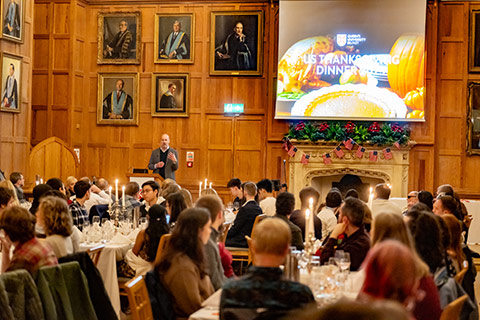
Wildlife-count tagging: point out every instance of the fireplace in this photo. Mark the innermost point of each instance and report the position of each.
(348, 171)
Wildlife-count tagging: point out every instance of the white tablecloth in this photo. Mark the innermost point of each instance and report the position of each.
(107, 265)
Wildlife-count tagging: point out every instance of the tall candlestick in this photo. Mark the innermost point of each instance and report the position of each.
(210, 185)
(41, 181)
(199, 188)
(123, 196)
(370, 199)
(116, 190)
(205, 183)
(307, 219)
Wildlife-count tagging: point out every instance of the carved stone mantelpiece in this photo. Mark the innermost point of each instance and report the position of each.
(394, 171)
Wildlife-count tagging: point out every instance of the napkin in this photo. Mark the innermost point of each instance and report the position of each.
(120, 239)
(133, 235)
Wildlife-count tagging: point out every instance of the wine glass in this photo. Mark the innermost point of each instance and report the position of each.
(96, 220)
(104, 220)
(344, 262)
(142, 221)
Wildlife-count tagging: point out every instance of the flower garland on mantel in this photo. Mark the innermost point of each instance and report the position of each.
(349, 134)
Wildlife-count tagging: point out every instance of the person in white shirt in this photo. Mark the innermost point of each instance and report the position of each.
(381, 203)
(97, 196)
(265, 196)
(333, 200)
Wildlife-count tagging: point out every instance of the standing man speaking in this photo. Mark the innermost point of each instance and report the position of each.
(164, 159)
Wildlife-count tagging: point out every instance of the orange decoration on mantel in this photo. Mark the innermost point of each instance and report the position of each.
(415, 99)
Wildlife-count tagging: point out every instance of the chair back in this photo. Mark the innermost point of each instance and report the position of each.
(453, 309)
(258, 219)
(95, 252)
(460, 275)
(250, 251)
(162, 245)
(226, 227)
(138, 298)
(100, 210)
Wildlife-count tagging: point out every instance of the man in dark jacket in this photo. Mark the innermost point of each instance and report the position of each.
(243, 223)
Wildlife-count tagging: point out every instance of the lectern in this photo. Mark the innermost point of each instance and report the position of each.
(140, 178)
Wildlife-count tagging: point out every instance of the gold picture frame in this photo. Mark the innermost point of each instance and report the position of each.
(474, 43)
(225, 34)
(16, 35)
(171, 45)
(170, 94)
(119, 38)
(117, 104)
(11, 83)
(473, 119)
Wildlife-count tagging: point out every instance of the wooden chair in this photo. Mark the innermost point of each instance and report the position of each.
(162, 245)
(453, 309)
(138, 298)
(95, 252)
(250, 251)
(226, 227)
(460, 275)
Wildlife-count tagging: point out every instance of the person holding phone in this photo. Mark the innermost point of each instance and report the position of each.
(164, 160)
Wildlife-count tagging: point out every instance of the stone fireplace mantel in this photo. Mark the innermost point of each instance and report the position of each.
(320, 175)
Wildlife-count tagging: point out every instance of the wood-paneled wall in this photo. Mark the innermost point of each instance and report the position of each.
(15, 127)
(65, 97)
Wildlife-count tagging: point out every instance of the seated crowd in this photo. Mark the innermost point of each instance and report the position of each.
(409, 260)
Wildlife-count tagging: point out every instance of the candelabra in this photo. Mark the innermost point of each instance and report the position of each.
(115, 211)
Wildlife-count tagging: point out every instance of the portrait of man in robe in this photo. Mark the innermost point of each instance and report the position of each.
(173, 41)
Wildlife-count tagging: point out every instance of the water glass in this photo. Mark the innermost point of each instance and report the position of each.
(143, 223)
(104, 220)
(96, 220)
(344, 262)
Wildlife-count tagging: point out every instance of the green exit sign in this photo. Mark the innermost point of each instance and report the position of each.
(233, 108)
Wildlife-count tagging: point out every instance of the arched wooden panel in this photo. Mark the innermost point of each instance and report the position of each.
(52, 158)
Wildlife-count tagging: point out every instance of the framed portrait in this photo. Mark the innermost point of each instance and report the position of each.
(236, 45)
(119, 38)
(13, 15)
(170, 93)
(11, 83)
(174, 38)
(473, 119)
(117, 99)
(474, 43)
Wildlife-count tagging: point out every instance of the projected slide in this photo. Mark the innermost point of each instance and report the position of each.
(351, 59)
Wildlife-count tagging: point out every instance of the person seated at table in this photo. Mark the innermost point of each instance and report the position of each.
(150, 190)
(29, 253)
(389, 226)
(182, 267)
(390, 273)
(38, 192)
(7, 199)
(55, 219)
(284, 205)
(298, 216)
(132, 193)
(139, 259)
(56, 184)
(243, 223)
(264, 290)
(349, 234)
(175, 204)
(168, 190)
(208, 191)
(69, 184)
(187, 196)
(77, 207)
(346, 309)
(212, 254)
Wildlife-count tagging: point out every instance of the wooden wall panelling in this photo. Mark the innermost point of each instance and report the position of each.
(451, 96)
(421, 171)
(15, 132)
(249, 148)
(220, 140)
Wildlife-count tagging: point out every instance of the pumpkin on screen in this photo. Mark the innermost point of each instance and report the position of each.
(414, 99)
(406, 68)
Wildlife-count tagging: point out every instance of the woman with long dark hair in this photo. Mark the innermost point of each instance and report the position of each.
(182, 267)
(139, 259)
(175, 204)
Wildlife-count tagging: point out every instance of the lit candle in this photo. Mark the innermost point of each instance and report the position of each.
(205, 184)
(307, 218)
(41, 181)
(210, 185)
(116, 190)
(199, 188)
(123, 196)
(370, 199)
